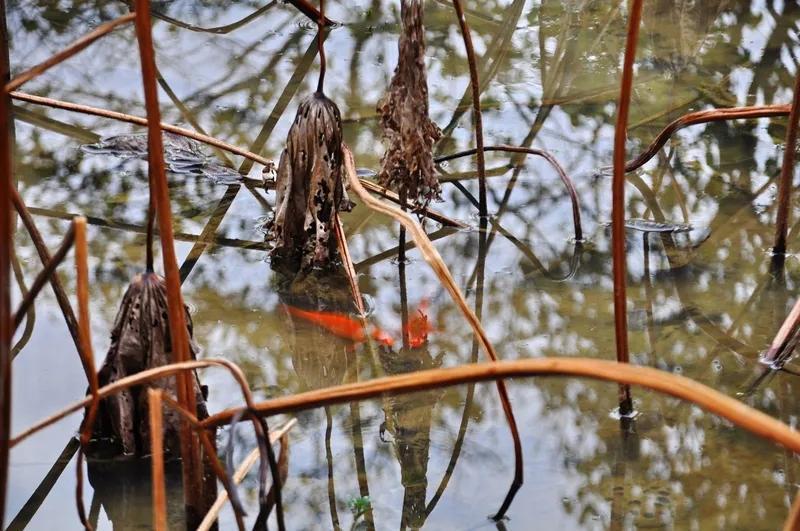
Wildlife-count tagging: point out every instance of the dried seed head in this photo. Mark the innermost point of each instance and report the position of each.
(309, 188)
(407, 166)
(140, 340)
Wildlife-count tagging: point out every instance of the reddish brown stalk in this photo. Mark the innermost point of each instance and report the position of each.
(786, 332)
(306, 8)
(6, 235)
(87, 354)
(618, 202)
(793, 520)
(55, 283)
(122, 117)
(476, 105)
(154, 406)
(67, 52)
(787, 171)
(44, 276)
(323, 64)
(192, 468)
(702, 117)
(573, 194)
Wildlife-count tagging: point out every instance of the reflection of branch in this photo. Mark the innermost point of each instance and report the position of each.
(219, 30)
(576, 212)
(68, 52)
(30, 318)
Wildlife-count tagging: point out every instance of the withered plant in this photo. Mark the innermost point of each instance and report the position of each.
(309, 187)
(407, 166)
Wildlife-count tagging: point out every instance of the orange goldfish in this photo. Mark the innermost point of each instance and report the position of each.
(418, 327)
(342, 325)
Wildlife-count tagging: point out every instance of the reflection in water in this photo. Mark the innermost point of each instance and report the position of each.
(708, 300)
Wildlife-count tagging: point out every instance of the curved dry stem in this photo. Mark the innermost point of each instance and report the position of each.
(664, 382)
(573, 194)
(702, 117)
(131, 381)
(137, 120)
(434, 260)
(68, 52)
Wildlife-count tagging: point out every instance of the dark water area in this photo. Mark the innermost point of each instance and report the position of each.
(702, 299)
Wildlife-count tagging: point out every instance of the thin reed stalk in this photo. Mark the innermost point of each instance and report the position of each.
(247, 463)
(777, 351)
(179, 336)
(87, 355)
(67, 52)
(702, 117)
(573, 194)
(44, 276)
(154, 406)
(787, 171)
(476, 105)
(349, 267)
(6, 241)
(618, 202)
(434, 259)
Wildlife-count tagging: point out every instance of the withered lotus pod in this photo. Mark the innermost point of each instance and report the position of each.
(309, 189)
(407, 166)
(140, 340)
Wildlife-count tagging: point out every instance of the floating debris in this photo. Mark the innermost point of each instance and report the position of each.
(182, 155)
(646, 225)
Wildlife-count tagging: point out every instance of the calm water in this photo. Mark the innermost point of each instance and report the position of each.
(702, 304)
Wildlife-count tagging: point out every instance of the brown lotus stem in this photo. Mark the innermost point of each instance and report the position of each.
(787, 172)
(6, 237)
(777, 351)
(550, 158)
(154, 405)
(702, 117)
(122, 117)
(321, 46)
(618, 202)
(434, 259)
(68, 52)
(664, 382)
(306, 8)
(44, 276)
(192, 480)
(476, 105)
(793, 520)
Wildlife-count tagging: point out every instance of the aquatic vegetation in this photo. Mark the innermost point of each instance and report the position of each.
(350, 311)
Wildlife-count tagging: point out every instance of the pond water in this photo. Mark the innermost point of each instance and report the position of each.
(702, 303)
